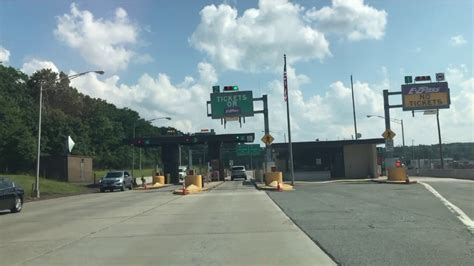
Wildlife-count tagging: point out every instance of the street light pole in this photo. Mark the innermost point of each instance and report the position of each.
(39, 142)
(38, 159)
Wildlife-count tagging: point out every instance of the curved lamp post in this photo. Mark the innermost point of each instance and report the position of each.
(100, 72)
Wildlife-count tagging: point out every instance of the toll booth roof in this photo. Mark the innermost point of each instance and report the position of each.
(192, 139)
(327, 144)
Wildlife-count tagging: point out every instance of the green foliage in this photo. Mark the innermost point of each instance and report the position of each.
(97, 127)
(457, 151)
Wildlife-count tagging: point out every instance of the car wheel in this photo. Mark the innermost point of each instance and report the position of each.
(131, 186)
(18, 205)
(122, 188)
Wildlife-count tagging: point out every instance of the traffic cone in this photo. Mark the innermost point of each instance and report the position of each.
(279, 187)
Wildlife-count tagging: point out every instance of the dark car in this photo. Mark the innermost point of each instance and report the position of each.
(11, 195)
(116, 180)
(238, 172)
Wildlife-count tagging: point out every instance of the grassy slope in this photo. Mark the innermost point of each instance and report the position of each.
(48, 188)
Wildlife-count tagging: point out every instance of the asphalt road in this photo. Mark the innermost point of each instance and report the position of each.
(233, 224)
(382, 224)
(457, 191)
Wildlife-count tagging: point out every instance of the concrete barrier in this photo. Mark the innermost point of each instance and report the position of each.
(193, 180)
(449, 173)
(272, 177)
(148, 180)
(159, 179)
(397, 174)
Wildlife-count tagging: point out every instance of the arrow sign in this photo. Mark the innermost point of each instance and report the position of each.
(70, 143)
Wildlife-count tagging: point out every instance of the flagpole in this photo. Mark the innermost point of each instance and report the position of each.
(290, 146)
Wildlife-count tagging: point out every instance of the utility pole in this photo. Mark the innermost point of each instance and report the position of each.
(353, 110)
(439, 138)
(290, 146)
(133, 151)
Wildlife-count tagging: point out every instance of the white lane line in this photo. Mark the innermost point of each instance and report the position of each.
(453, 208)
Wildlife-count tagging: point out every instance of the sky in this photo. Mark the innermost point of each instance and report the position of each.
(161, 58)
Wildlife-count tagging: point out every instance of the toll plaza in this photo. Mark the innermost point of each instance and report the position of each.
(330, 159)
(170, 146)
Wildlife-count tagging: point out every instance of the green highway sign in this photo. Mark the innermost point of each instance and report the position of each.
(231, 104)
(246, 150)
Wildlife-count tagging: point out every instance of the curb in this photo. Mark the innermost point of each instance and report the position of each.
(335, 181)
(395, 182)
(269, 188)
(151, 187)
(204, 189)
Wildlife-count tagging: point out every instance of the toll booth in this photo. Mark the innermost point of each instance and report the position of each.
(170, 148)
(324, 160)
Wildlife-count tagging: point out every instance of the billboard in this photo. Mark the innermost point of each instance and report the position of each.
(231, 104)
(422, 96)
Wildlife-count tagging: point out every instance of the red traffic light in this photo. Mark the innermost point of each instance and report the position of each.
(423, 78)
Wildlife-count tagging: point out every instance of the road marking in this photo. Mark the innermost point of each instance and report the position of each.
(453, 208)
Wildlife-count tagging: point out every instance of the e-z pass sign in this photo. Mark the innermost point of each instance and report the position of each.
(231, 104)
(423, 96)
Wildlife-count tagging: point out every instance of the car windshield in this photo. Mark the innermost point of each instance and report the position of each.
(325, 131)
(113, 175)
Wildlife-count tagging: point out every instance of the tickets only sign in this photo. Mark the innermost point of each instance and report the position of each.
(424, 96)
(231, 104)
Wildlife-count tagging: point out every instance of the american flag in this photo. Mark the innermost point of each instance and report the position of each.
(285, 82)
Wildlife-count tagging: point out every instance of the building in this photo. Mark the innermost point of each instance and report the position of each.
(320, 160)
(68, 168)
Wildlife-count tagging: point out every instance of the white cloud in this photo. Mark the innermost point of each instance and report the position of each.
(104, 43)
(325, 113)
(258, 38)
(157, 96)
(4, 55)
(457, 40)
(351, 18)
(34, 65)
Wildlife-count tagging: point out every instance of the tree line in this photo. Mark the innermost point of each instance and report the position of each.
(98, 128)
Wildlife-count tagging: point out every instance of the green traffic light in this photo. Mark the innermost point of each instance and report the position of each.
(235, 88)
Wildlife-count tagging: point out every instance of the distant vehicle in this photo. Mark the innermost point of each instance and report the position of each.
(238, 172)
(182, 173)
(116, 180)
(11, 195)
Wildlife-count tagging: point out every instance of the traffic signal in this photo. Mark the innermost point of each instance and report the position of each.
(231, 88)
(423, 78)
